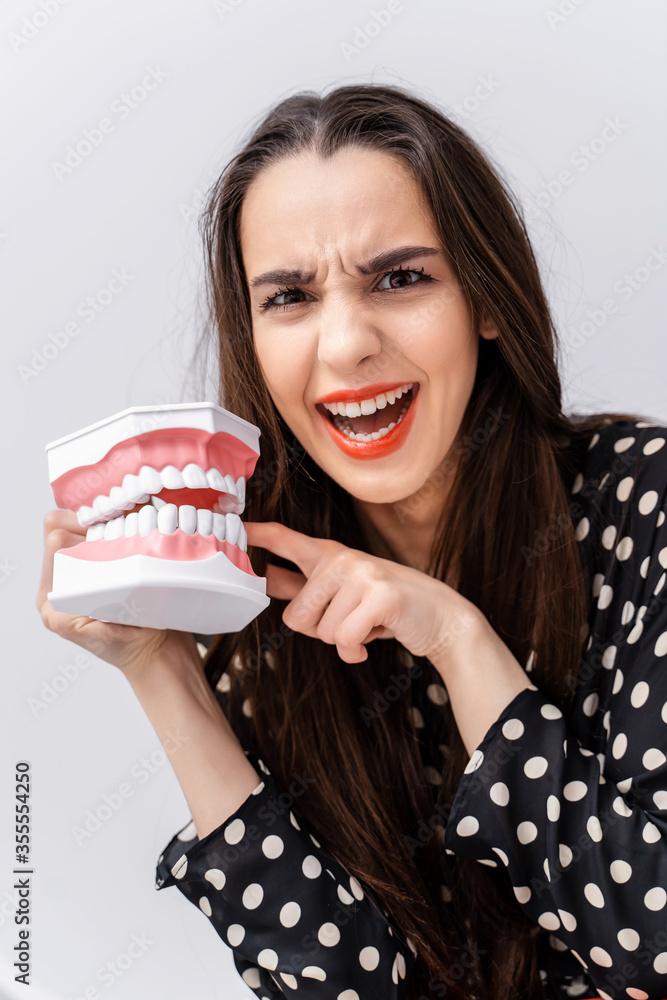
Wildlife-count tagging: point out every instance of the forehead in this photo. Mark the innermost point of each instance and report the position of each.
(357, 201)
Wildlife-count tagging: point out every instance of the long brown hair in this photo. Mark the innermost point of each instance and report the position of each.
(516, 459)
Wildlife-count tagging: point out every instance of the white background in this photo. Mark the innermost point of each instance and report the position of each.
(552, 82)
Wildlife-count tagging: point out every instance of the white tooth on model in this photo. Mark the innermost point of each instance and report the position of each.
(132, 487)
(119, 498)
(85, 515)
(149, 479)
(215, 480)
(243, 538)
(240, 488)
(230, 485)
(219, 526)
(95, 532)
(102, 506)
(147, 520)
(187, 518)
(172, 478)
(194, 477)
(115, 528)
(158, 502)
(167, 519)
(132, 524)
(232, 528)
(204, 521)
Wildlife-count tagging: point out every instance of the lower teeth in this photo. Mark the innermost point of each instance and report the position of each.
(342, 424)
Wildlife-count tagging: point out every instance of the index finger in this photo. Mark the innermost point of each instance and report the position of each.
(286, 542)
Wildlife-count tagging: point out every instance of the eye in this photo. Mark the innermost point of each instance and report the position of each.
(421, 275)
(271, 301)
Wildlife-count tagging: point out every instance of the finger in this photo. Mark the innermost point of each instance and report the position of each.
(283, 583)
(55, 539)
(305, 611)
(292, 545)
(356, 630)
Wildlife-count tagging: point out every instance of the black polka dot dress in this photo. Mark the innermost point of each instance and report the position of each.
(572, 811)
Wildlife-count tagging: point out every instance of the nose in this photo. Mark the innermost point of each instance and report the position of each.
(347, 336)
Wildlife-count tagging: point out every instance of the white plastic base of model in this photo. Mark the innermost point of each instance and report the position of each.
(208, 596)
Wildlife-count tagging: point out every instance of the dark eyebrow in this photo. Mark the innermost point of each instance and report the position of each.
(381, 262)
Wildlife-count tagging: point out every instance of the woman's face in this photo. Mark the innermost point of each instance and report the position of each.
(347, 333)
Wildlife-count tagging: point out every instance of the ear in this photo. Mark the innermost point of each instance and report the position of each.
(487, 329)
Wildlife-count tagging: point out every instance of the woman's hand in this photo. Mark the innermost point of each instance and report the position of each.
(130, 648)
(348, 598)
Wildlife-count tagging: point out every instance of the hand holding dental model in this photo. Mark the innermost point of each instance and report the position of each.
(164, 546)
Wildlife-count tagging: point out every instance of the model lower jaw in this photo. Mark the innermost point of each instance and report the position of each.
(388, 438)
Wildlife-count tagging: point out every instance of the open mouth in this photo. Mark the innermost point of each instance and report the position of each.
(162, 508)
(372, 426)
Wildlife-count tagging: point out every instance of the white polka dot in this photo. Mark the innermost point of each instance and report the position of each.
(549, 921)
(355, 886)
(314, 840)
(578, 483)
(590, 704)
(636, 994)
(311, 867)
(180, 867)
(513, 729)
(628, 938)
(272, 846)
(582, 529)
(467, 826)
(627, 612)
(553, 808)
(253, 896)
(235, 934)
(501, 854)
(643, 569)
(268, 959)
(432, 776)
(369, 958)
(647, 502)
(225, 682)
(188, 832)
(522, 893)
(623, 444)
(598, 580)
(621, 871)
(293, 821)
(575, 790)
(601, 957)
(550, 711)
(291, 981)
(314, 972)
(400, 965)
(569, 922)
(618, 681)
(660, 648)
(608, 536)
(216, 878)
(655, 898)
(499, 793)
(290, 914)
(660, 799)
(593, 895)
(416, 717)
(235, 831)
(347, 995)
(535, 767)
(606, 594)
(609, 657)
(625, 785)
(624, 488)
(252, 978)
(258, 789)
(205, 906)
(437, 694)
(328, 935)
(564, 855)
(653, 758)
(619, 746)
(655, 444)
(474, 762)
(526, 832)
(621, 807)
(639, 694)
(660, 963)
(660, 584)
(651, 834)
(344, 896)
(581, 961)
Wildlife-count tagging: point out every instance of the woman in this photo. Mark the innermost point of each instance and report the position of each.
(432, 767)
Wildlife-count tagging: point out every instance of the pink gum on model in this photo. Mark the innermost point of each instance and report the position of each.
(160, 489)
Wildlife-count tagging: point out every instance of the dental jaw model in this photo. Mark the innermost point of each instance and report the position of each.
(160, 490)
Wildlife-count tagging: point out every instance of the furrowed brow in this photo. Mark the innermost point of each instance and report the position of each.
(381, 262)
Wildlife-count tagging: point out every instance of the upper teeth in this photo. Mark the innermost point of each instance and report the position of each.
(138, 489)
(367, 406)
